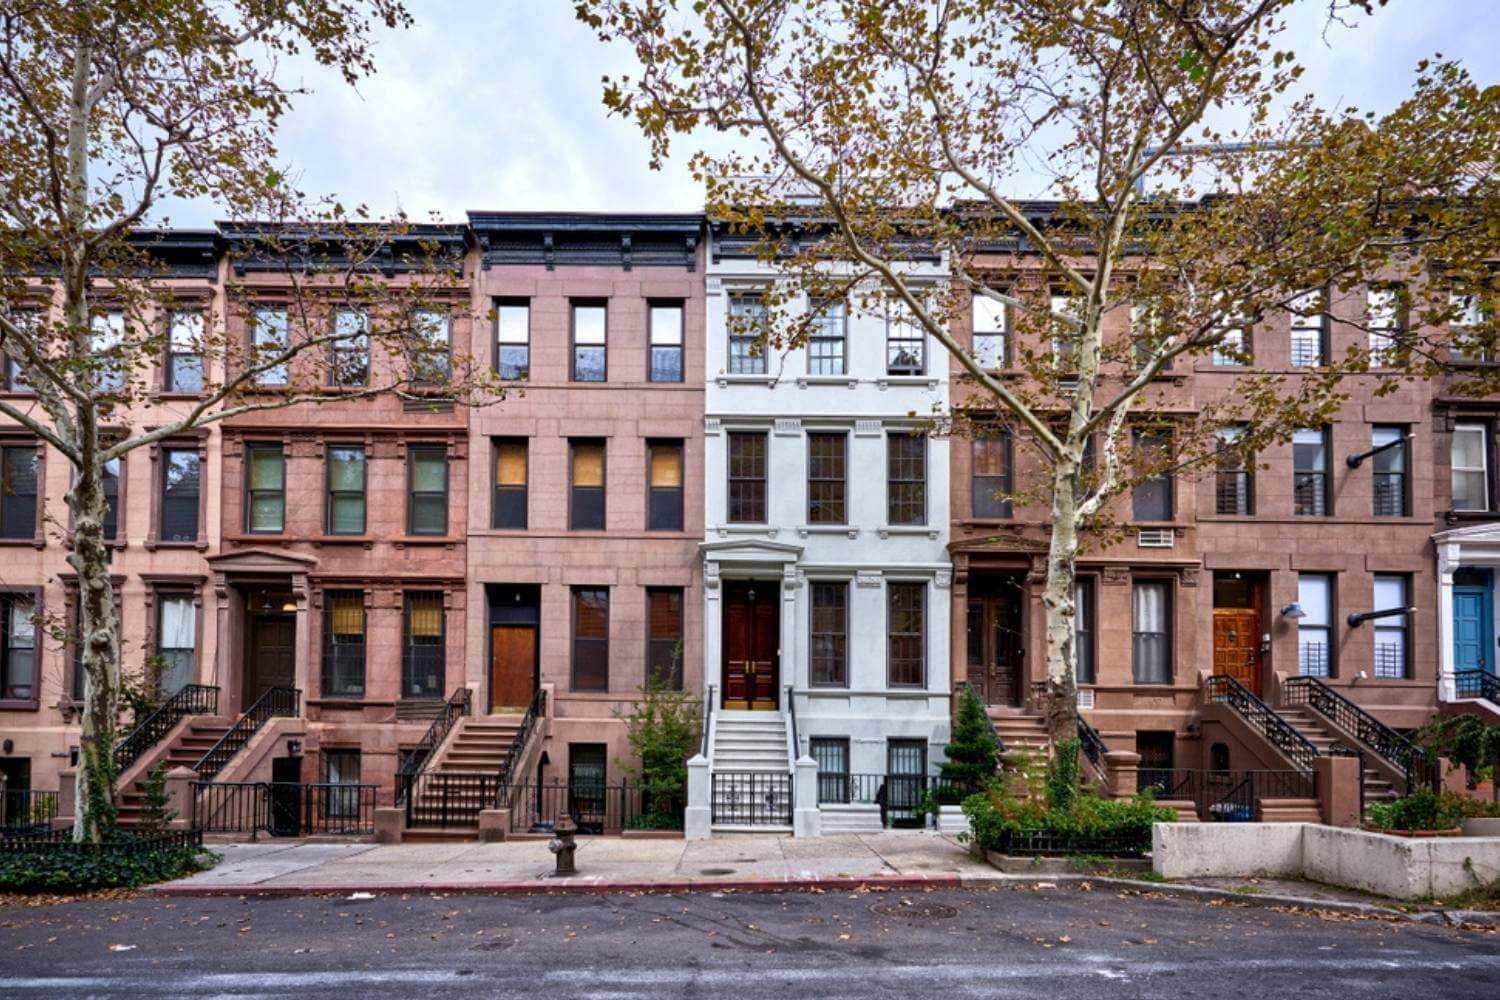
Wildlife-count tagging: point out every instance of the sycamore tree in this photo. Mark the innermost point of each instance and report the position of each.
(109, 111)
(1191, 192)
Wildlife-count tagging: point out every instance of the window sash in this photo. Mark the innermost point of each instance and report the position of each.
(748, 341)
(827, 478)
(906, 479)
(1310, 473)
(510, 495)
(265, 488)
(513, 341)
(905, 342)
(1151, 639)
(906, 634)
(1392, 635)
(664, 652)
(427, 490)
(590, 639)
(1383, 307)
(1388, 472)
(1314, 629)
(586, 486)
(1234, 482)
(423, 644)
(176, 640)
(106, 338)
(1470, 472)
(18, 491)
(1309, 329)
(432, 336)
(346, 491)
(747, 477)
(828, 645)
(1083, 631)
(590, 340)
(184, 368)
(269, 336)
(826, 338)
(18, 659)
(344, 625)
(664, 486)
(666, 342)
(181, 485)
(1152, 499)
(991, 479)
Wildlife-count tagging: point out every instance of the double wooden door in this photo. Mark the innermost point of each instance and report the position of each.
(994, 648)
(752, 637)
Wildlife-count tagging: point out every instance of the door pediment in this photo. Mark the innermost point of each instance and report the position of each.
(261, 562)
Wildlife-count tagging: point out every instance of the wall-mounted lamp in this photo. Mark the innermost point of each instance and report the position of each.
(8, 746)
(1353, 461)
(1293, 611)
(1359, 618)
(293, 747)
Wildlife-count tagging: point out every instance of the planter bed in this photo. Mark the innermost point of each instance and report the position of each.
(53, 862)
(1036, 864)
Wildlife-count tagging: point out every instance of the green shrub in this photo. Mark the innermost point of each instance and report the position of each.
(154, 812)
(973, 753)
(65, 867)
(997, 813)
(1062, 775)
(1465, 740)
(1427, 810)
(663, 731)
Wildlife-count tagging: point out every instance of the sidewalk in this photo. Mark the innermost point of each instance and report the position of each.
(891, 859)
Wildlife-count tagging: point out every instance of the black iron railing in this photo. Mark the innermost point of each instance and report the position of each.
(751, 798)
(595, 807)
(708, 718)
(901, 797)
(536, 710)
(446, 798)
(457, 706)
(1232, 796)
(1174, 784)
(1026, 843)
(190, 699)
(1263, 719)
(1476, 684)
(25, 811)
(276, 701)
(1414, 762)
(791, 722)
(284, 809)
(122, 842)
(1092, 745)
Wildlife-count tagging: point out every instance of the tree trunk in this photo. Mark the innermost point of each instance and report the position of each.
(1060, 703)
(99, 655)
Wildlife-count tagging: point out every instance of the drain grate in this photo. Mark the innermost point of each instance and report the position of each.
(908, 909)
(715, 871)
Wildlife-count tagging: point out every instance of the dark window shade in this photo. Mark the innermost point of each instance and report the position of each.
(111, 484)
(827, 478)
(747, 478)
(590, 639)
(343, 642)
(906, 479)
(1083, 631)
(510, 484)
(664, 459)
(18, 475)
(423, 640)
(664, 636)
(586, 509)
(828, 648)
(906, 633)
(427, 490)
(992, 476)
(181, 475)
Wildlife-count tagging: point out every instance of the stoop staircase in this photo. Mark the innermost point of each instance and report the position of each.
(463, 776)
(750, 741)
(751, 773)
(1021, 731)
(185, 751)
(479, 745)
(1316, 731)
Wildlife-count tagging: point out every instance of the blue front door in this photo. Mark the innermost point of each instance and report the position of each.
(1472, 628)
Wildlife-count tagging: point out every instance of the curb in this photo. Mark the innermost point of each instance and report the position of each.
(543, 887)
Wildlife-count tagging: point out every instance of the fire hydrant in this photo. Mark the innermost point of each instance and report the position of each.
(563, 845)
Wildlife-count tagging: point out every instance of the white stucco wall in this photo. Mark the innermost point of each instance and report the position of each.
(867, 552)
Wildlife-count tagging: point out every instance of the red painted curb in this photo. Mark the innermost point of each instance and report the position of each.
(574, 888)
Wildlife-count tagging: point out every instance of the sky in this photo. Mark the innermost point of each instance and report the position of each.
(496, 105)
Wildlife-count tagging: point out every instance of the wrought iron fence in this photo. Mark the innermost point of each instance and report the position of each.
(453, 709)
(284, 809)
(446, 798)
(276, 701)
(121, 842)
(751, 798)
(1413, 761)
(1169, 784)
(190, 699)
(1093, 745)
(1225, 795)
(1226, 690)
(1023, 843)
(902, 798)
(536, 710)
(25, 811)
(1476, 684)
(595, 807)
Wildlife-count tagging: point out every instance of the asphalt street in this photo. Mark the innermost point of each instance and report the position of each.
(1001, 942)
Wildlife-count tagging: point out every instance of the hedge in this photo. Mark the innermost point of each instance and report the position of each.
(53, 863)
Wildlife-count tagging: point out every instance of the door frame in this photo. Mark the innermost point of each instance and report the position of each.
(1486, 594)
(729, 586)
(489, 660)
(1259, 607)
(248, 661)
(533, 604)
(993, 595)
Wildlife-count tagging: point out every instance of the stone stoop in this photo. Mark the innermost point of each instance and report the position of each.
(1321, 735)
(845, 818)
(186, 749)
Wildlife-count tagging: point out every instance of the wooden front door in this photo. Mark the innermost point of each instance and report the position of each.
(752, 634)
(994, 648)
(270, 654)
(1237, 630)
(512, 667)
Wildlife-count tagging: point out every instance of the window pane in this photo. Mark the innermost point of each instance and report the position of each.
(429, 471)
(666, 325)
(510, 464)
(1151, 641)
(180, 486)
(828, 654)
(1083, 630)
(591, 639)
(747, 478)
(347, 515)
(1151, 499)
(346, 469)
(666, 465)
(1391, 633)
(267, 470)
(513, 324)
(588, 324)
(826, 478)
(588, 464)
(906, 479)
(664, 636)
(423, 656)
(268, 338)
(906, 640)
(1315, 597)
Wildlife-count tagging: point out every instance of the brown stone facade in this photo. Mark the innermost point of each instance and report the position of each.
(530, 567)
(1206, 559)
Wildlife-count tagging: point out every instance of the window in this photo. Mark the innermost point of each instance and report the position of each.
(180, 488)
(423, 653)
(747, 478)
(1145, 334)
(1309, 329)
(1066, 334)
(18, 655)
(176, 640)
(1234, 482)
(1392, 645)
(827, 483)
(748, 325)
(344, 642)
(664, 459)
(664, 636)
(341, 767)
(1470, 460)
(184, 369)
(1150, 635)
(832, 756)
(349, 352)
(906, 478)
(905, 341)
(1310, 472)
(13, 379)
(825, 344)
(1389, 471)
(991, 482)
(346, 490)
(432, 347)
(106, 338)
(586, 500)
(269, 338)
(1083, 631)
(588, 769)
(18, 483)
(1470, 313)
(1233, 345)
(590, 639)
(427, 490)
(666, 342)
(589, 331)
(110, 481)
(828, 648)
(510, 484)
(1314, 628)
(906, 642)
(1151, 498)
(513, 339)
(1383, 314)
(989, 323)
(265, 488)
